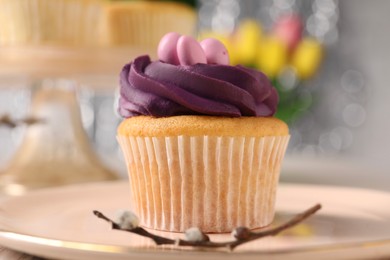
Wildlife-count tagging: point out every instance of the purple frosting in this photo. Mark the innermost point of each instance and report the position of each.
(160, 89)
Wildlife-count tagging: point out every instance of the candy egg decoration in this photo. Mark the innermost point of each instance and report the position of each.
(166, 50)
(215, 51)
(177, 49)
(189, 51)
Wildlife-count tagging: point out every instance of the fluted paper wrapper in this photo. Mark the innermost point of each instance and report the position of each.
(214, 183)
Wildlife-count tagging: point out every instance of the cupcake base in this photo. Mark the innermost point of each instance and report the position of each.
(213, 183)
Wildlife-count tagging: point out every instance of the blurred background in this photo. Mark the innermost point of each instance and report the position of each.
(60, 60)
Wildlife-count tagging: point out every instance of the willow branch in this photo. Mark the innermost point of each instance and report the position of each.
(242, 238)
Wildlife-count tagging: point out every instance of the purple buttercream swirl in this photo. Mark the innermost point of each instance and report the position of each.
(160, 89)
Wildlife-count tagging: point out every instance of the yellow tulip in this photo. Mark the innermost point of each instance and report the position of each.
(272, 56)
(307, 57)
(246, 40)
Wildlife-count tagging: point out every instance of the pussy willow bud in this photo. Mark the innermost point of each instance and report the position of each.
(241, 233)
(194, 234)
(127, 219)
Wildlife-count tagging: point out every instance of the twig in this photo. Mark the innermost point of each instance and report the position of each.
(242, 234)
(7, 121)
(138, 230)
(276, 230)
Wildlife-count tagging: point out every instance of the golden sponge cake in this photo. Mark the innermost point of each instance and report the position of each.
(203, 125)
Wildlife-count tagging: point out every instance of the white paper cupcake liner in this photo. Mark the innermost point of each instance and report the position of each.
(214, 183)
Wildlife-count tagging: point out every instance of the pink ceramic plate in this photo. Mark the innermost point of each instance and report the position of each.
(58, 223)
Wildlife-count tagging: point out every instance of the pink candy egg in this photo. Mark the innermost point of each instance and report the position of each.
(166, 50)
(215, 51)
(189, 51)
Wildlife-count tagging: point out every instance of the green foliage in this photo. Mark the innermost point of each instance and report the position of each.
(292, 103)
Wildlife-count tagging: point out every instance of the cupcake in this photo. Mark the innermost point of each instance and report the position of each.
(143, 23)
(64, 22)
(91, 23)
(199, 138)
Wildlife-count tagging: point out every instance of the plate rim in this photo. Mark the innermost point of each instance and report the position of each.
(116, 250)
